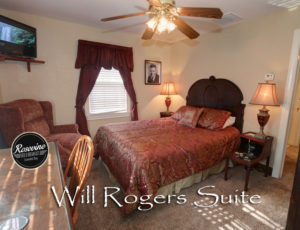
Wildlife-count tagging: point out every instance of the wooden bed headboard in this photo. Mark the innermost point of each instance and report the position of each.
(218, 94)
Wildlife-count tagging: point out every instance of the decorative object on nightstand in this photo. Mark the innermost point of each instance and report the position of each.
(265, 95)
(168, 89)
(166, 114)
(251, 151)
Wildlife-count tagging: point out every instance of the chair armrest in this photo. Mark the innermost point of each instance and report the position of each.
(73, 128)
(11, 123)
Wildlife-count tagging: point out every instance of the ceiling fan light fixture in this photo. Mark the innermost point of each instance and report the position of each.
(152, 23)
(162, 24)
(171, 26)
(160, 28)
(165, 24)
(163, 21)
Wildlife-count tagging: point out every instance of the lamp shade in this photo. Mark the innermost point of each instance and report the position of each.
(265, 94)
(168, 88)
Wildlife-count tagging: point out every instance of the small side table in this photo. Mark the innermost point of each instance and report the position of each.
(253, 150)
(166, 114)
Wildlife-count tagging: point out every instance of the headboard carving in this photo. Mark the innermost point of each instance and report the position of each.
(218, 94)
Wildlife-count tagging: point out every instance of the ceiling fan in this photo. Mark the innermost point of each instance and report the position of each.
(165, 17)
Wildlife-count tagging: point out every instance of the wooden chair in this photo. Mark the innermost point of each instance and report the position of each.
(78, 168)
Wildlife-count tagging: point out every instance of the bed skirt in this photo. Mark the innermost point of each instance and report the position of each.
(176, 186)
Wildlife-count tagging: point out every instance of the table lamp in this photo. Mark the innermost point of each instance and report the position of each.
(265, 95)
(168, 89)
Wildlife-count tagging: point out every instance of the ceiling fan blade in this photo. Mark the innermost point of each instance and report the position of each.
(185, 28)
(155, 3)
(200, 12)
(148, 34)
(124, 16)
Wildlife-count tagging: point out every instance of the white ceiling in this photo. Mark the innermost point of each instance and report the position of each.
(90, 11)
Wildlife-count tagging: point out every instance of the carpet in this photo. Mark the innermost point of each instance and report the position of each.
(271, 213)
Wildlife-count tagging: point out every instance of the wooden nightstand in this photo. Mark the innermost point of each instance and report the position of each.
(166, 114)
(251, 151)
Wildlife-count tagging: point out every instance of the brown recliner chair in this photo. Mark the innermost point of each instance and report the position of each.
(28, 115)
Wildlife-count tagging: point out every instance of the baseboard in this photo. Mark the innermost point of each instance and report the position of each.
(261, 168)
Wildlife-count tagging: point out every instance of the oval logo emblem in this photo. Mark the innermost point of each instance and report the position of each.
(30, 150)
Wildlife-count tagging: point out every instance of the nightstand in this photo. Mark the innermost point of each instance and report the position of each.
(251, 151)
(166, 114)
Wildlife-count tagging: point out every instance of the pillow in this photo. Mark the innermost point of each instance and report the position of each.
(178, 115)
(213, 119)
(191, 117)
(229, 122)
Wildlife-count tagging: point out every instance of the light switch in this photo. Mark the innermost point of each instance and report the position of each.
(269, 76)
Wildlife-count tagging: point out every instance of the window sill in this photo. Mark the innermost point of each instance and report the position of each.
(106, 116)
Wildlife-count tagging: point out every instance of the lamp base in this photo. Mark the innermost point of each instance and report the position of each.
(263, 117)
(168, 103)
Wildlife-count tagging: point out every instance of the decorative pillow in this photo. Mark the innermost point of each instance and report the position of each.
(229, 122)
(213, 119)
(178, 115)
(191, 117)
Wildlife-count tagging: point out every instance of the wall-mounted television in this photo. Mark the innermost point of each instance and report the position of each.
(17, 39)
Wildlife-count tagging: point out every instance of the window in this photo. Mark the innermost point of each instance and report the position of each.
(108, 98)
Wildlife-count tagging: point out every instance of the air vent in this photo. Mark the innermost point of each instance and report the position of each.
(285, 3)
(229, 19)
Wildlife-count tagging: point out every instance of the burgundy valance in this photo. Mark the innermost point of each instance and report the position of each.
(91, 57)
(103, 55)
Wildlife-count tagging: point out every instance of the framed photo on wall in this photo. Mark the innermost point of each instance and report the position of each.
(152, 72)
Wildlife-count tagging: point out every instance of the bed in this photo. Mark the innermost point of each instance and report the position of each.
(159, 156)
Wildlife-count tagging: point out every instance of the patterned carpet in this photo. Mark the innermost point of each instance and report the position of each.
(271, 213)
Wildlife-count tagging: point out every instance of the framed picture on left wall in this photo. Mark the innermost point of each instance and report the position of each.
(152, 72)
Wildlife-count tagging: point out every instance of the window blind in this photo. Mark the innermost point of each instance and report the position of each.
(108, 94)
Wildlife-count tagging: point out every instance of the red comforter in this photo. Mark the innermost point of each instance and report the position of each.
(146, 155)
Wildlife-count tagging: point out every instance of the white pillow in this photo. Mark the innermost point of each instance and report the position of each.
(229, 122)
